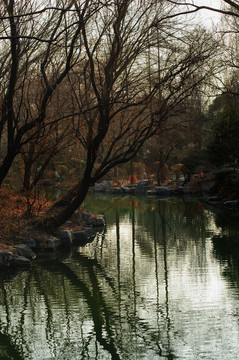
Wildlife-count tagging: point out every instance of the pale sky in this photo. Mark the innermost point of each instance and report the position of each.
(207, 16)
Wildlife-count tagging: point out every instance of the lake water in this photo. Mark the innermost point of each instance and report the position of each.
(160, 282)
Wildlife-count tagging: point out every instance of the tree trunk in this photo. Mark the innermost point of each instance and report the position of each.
(76, 196)
(40, 173)
(69, 196)
(132, 176)
(6, 165)
(27, 176)
(51, 223)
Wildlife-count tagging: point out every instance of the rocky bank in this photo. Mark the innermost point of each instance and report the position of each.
(84, 231)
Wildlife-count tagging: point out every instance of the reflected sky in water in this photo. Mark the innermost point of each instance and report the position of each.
(155, 284)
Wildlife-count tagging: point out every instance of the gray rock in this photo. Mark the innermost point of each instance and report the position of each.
(31, 243)
(97, 221)
(66, 238)
(128, 189)
(21, 261)
(104, 186)
(108, 184)
(6, 258)
(90, 220)
(39, 244)
(100, 187)
(24, 250)
(231, 204)
(151, 192)
(82, 237)
(52, 243)
(87, 217)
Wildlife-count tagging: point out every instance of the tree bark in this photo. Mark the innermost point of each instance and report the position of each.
(6, 165)
(52, 223)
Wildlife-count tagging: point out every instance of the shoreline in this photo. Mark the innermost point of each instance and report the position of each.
(21, 255)
(82, 228)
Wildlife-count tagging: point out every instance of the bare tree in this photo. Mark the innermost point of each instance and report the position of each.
(45, 43)
(121, 106)
(228, 7)
(115, 73)
(40, 152)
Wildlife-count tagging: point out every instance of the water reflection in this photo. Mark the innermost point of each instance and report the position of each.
(152, 286)
(226, 245)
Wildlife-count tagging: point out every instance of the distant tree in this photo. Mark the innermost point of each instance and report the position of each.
(224, 145)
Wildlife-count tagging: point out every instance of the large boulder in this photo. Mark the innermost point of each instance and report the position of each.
(24, 250)
(52, 243)
(213, 199)
(6, 258)
(232, 204)
(31, 243)
(66, 238)
(97, 221)
(21, 261)
(91, 220)
(83, 237)
(18, 255)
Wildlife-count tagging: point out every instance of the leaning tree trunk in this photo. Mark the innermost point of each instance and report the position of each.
(51, 223)
(69, 196)
(55, 219)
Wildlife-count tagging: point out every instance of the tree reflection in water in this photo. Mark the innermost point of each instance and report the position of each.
(226, 244)
(140, 291)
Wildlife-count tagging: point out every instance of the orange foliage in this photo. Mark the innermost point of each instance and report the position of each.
(13, 210)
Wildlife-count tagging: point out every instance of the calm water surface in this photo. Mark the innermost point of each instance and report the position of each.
(159, 283)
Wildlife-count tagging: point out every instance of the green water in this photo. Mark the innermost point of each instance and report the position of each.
(156, 284)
